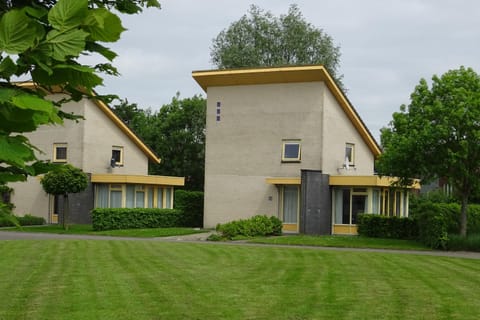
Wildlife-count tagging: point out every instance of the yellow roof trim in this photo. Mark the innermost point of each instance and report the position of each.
(292, 74)
(284, 180)
(138, 179)
(367, 181)
(112, 116)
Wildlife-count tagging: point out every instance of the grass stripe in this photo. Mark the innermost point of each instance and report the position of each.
(75, 279)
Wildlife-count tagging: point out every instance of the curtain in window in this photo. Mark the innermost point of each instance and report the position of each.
(168, 198)
(140, 199)
(338, 198)
(102, 195)
(290, 204)
(160, 198)
(376, 201)
(150, 197)
(115, 199)
(130, 197)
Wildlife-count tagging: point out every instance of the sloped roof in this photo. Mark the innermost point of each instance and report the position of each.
(117, 121)
(291, 74)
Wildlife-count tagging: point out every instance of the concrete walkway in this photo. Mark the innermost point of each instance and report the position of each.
(200, 238)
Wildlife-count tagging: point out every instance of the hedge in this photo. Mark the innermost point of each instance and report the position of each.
(10, 220)
(258, 225)
(191, 205)
(379, 226)
(134, 218)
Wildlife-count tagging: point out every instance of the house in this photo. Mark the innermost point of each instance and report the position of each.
(114, 157)
(286, 142)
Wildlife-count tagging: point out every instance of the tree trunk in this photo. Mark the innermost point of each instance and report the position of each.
(65, 211)
(463, 216)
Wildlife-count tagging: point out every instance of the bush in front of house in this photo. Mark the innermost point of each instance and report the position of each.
(134, 218)
(29, 220)
(379, 226)
(191, 205)
(10, 220)
(256, 226)
(439, 223)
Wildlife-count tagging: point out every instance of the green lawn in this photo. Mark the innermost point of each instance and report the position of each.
(86, 279)
(343, 242)
(87, 229)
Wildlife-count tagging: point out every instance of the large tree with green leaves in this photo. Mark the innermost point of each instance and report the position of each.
(176, 132)
(42, 40)
(260, 39)
(438, 135)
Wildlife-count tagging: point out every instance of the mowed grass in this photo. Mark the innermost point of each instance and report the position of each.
(86, 279)
(87, 229)
(343, 242)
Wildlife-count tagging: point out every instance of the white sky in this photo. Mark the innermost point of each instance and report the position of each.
(387, 47)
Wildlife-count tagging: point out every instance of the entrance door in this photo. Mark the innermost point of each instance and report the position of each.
(290, 208)
(55, 208)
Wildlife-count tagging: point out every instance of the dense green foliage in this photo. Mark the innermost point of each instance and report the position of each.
(437, 136)
(438, 222)
(64, 179)
(145, 280)
(10, 220)
(253, 227)
(379, 226)
(43, 41)
(132, 218)
(260, 39)
(190, 203)
(176, 132)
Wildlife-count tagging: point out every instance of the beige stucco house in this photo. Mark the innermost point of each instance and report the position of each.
(113, 156)
(287, 142)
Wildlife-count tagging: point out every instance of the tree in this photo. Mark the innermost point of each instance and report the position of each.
(63, 180)
(42, 41)
(176, 132)
(261, 39)
(438, 135)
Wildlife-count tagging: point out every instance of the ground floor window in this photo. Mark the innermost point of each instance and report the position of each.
(349, 202)
(133, 196)
(290, 204)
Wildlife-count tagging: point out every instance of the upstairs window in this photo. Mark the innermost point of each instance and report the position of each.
(59, 152)
(117, 156)
(350, 154)
(291, 151)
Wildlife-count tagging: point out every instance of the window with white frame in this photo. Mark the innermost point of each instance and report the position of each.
(59, 152)
(350, 154)
(290, 204)
(117, 155)
(291, 151)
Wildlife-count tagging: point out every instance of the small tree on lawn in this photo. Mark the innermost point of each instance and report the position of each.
(63, 180)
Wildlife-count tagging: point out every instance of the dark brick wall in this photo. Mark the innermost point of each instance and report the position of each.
(80, 206)
(316, 207)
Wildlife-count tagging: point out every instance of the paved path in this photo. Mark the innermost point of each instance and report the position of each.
(201, 238)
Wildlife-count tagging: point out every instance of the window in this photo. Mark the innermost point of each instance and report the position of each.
(133, 196)
(117, 156)
(291, 151)
(348, 204)
(290, 204)
(350, 154)
(59, 152)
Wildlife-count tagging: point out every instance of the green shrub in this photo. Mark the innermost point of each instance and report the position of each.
(134, 218)
(255, 226)
(459, 243)
(29, 220)
(379, 226)
(8, 220)
(191, 205)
